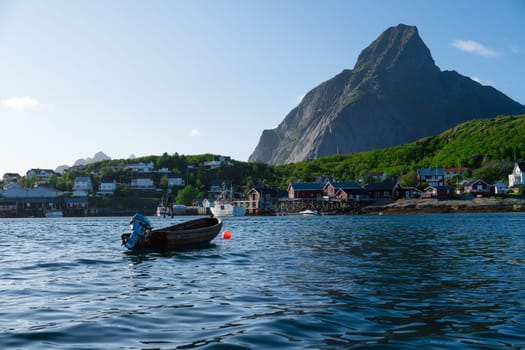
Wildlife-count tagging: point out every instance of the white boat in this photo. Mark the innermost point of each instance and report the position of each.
(162, 210)
(221, 209)
(309, 212)
(225, 206)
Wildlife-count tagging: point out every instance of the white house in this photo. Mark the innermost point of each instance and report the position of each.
(175, 180)
(11, 177)
(217, 161)
(142, 181)
(141, 167)
(517, 178)
(41, 175)
(107, 187)
(83, 183)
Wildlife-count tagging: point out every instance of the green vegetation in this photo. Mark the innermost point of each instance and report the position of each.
(472, 144)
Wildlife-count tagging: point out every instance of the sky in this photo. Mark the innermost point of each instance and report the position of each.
(208, 76)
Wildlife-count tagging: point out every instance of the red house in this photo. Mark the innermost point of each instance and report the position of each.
(350, 190)
(305, 190)
(478, 187)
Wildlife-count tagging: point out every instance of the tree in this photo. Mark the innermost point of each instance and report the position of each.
(491, 174)
(409, 179)
(187, 195)
(163, 182)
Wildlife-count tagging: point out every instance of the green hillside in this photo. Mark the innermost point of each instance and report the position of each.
(471, 144)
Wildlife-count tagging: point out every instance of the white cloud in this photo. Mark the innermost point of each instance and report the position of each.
(20, 104)
(195, 132)
(515, 49)
(471, 46)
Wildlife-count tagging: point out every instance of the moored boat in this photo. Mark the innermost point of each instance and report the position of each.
(309, 212)
(221, 209)
(187, 234)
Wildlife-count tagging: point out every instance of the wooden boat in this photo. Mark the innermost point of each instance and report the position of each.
(187, 234)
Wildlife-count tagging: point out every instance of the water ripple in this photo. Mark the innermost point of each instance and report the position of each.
(341, 282)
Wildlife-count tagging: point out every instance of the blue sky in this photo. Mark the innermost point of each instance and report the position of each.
(207, 76)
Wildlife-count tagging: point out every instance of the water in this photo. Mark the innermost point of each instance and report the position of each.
(338, 282)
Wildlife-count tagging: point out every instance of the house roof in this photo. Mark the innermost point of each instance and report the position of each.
(307, 186)
(262, 190)
(521, 165)
(442, 188)
(345, 185)
(381, 186)
(472, 182)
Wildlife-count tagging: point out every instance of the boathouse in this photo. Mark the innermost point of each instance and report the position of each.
(305, 190)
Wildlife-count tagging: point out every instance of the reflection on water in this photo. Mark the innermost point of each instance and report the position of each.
(338, 282)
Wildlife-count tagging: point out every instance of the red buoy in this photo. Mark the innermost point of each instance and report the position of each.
(226, 234)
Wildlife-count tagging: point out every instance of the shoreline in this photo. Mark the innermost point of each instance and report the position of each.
(427, 206)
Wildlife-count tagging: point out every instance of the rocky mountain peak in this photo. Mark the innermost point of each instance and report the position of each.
(398, 49)
(395, 94)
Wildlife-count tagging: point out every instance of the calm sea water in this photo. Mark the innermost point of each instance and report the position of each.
(337, 282)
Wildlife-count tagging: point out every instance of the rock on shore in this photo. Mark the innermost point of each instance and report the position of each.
(475, 205)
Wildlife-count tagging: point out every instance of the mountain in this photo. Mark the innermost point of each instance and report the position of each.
(475, 144)
(394, 95)
(98, 157)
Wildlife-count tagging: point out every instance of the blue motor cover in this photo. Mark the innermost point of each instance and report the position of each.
(139, 226)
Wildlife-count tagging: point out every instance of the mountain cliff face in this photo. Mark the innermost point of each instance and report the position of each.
(394, 95)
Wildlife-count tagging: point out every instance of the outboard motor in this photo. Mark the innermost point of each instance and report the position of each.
(139, 226)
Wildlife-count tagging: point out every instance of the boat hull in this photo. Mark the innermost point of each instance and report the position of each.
(221, 210)
(188, 234)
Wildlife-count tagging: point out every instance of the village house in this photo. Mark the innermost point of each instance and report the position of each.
(477, 188)
(344, 190)
(431, 176)
(500, 187)
(451, 172)
(305, 190)
(107, 187)
(140, 167)
(75, 206)
(407, 192)
(175, 180)
(31, 201)
(438, 192)
(142, 181)
(262, 199)
(41, 176)
(83, 183)
(10, 177)
(217, 161)
(382, 190)
(517, 178)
